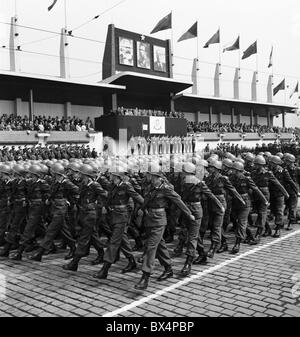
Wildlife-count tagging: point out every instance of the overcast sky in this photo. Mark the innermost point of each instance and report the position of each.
(274, 23)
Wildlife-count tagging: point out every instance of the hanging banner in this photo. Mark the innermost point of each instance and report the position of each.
(157, 125)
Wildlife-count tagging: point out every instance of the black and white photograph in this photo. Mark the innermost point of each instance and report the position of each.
(126, 51)
(150, 163)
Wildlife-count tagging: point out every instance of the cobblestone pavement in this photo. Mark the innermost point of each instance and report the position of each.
(261, 281)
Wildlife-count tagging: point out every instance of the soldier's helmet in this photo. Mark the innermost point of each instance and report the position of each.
(45, 169)
(260, 160)
(250, 157)
(227, 163)
(290, 158)
(75, 167)
(19, 169)
(58, 169)
(268, 154)
(35, 169)
(275, 160)
(189, 168)
(87, 170)
(230, 156)
(155, 170)
(216, 164)
(280, 155)
(238, 166)
(240, 160)
(5, 169)
(203, 163)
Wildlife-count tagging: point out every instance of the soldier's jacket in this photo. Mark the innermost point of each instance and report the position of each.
(220, 184)
(193, 190)
(38, 190)
(244, 184)
(145, 187)
(89, 194)
(249, 167)
(264, 179)
(19, 190)
(156, 201)
(63, 189)
(5, 191)
(283, 176)
(295, 175)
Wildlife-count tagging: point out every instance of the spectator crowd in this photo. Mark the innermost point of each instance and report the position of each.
(121, 111)
(44, 124)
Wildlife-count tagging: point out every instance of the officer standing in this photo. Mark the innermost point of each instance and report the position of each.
(155, 222)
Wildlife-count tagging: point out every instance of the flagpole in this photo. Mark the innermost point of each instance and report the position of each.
(172, 43)
(257, 61)
(16, 8)
(220, 56)
(66, 18)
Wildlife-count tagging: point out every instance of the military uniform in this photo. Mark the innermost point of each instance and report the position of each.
(5, 196)
(293, 190)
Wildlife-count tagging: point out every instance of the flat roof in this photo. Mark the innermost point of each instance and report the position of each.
(186, 99)
(53, 89)
(137, 82)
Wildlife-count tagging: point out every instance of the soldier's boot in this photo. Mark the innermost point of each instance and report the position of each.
(277, 232)
(187, 268)
(179, 249)
(236, 248)
(168, 273)
(143, 282)
(38, 255)
(73, 264)
(289, 226)
(130, 267)
(202, 258)
(102, 274)
(99, 258)
(258, 235)
(141, 259)
(52, 250)
(18, 255)
(138, 244)
(117, 256)
(223, 248)
(62, 245)
(32, 247)
(5, 250)
(212, 250)
(268, 230)
(169, 238)
(71, 253)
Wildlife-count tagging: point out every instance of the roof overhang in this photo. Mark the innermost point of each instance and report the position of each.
(186, 99)
(53, 89)
(136, 82)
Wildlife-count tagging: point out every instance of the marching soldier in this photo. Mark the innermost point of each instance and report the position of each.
(154, 207)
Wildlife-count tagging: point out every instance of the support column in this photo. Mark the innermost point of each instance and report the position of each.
(283, 118)
(217, 92)
(220, 115)
(239, 118)
(18, 107)
(68, 110)
(195, 76)
(172, 102)
(270, 90)
(251, 117)
(114, 102)
(198, 116)
(232, 115)
(64, 55)
(268, 118)
(236, 84)
(254, 87)
(31, 105)
(13, 45)
(210, 113)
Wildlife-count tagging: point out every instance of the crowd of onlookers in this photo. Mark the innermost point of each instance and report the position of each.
(237, 128)
(43, 123)
(121, 111)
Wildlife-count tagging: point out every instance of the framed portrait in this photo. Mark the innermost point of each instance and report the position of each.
(126, 51)
(159, 58)
(143, 55)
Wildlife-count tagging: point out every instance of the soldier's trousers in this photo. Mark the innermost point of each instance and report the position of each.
(226, 220)
(173, 214)
(57, 224)
(277, 208)
(4, 219)
(88, 234)
(155, 247)
(17, 218)
(203, 226)
(261, 209)
(119, 240)
(216, 217)
(292, 208)
(241, 213)
(102, 222)
(35, 215)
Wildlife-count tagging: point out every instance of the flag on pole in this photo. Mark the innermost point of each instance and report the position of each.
(214, 39)
(163, 24)
(191, 33)
(234, 46)
(296, 90)
(280, 86)
(53, 4)
(250, 51)
(271, 59)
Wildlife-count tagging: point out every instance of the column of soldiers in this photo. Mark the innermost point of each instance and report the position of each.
(81, 200)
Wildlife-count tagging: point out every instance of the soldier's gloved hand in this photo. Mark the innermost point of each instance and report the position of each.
(8, 203)
(192, 218)
(68, 203)
(24, 204)
(47, 202)
(223, 209)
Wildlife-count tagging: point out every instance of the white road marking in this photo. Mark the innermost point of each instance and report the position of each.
(196, 277)
(2, 287)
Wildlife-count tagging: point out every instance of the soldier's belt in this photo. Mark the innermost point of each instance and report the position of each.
(36, 200)
(156, 209)
(20, 200)
(118, 207)
(220, 195)
(198, 203)
(244, 195)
